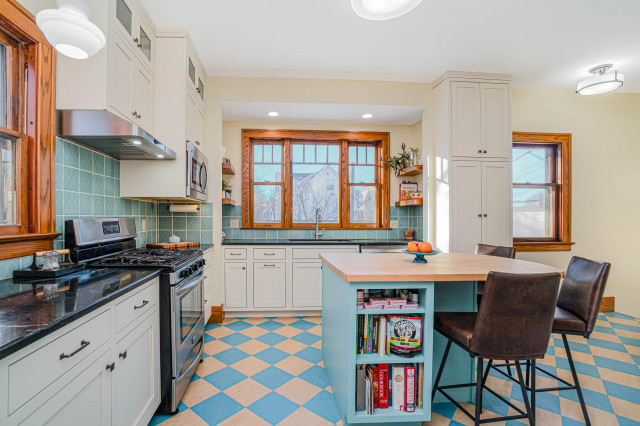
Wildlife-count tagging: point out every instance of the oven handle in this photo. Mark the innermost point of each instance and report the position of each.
(186, 287)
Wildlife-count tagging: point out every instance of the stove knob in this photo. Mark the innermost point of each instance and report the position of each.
(201, 263)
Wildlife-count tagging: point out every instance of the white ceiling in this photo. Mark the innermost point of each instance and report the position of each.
(543, 43)
(292, 112)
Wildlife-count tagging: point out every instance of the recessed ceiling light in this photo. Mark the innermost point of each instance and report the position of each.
(273, 114)
(380, 10)
(160, 156)
(601, 82)
(367, 115)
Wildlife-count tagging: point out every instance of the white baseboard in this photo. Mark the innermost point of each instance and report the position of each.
(272, 314)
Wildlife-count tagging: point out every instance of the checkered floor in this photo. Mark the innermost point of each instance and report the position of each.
(267, 371)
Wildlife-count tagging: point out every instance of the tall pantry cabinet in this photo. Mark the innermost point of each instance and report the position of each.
(473, 189)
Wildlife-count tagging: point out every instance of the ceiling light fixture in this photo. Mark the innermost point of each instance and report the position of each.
(367, 115)
(69, 30)
(273, 114)
(601, 82)
(381, 10)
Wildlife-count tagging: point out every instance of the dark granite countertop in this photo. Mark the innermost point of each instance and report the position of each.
(346, 242)
(30, 310)
(205, 247)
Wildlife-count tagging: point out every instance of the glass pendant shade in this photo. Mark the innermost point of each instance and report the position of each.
(69, 30)
(601, 82)
(380, 10)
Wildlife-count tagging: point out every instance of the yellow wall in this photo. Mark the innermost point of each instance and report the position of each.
(605, 179)
(231, 140)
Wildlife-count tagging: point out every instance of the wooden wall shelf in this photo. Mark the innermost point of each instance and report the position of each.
(228, 201)
(415, 202)
(411, 171)
(228, 169)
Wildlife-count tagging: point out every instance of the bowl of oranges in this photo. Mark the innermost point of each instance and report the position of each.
(420, 250)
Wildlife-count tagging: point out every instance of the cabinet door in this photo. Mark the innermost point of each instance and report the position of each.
(199, 127)
(124, 18)
(137, 358)
(145, 42)
(87, 397)
(235, 285)
(466, 206)
(466, 137)
(269, 282)
(496, 128)
(190, 118)
(496, 203)
(143, 98)
(121, 72)
(307, 284)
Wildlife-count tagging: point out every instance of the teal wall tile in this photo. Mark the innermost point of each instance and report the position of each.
(110, 207)
(98, 184)
(85, 181)
(71, 203)
(193, 236)
(59, 176)
(98, 205)
(117, 188)
(70, 179)
(109, 186)
(86, 159)
(109, 167)
(86, 204)
(98, 163)
(179, 222)
(193, 223)
(59, 201)
(165, 222)
(59, 151)
(71, 154)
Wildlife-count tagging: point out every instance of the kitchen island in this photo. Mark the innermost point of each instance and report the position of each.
(447, 283)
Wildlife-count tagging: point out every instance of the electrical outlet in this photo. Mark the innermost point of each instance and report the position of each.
(394, 224)
(144, 224)
(234, 223)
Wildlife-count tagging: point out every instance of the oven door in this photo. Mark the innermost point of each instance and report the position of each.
(197, 173)
(188, 320)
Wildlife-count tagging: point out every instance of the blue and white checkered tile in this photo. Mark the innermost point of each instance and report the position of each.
(269, 371)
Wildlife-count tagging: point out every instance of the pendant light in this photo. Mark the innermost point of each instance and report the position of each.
(601, 82)
(380, 10)
(69, 30)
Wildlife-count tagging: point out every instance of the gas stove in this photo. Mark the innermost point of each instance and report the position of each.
(156, 258)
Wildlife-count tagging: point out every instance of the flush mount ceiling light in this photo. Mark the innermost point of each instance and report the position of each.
(380, 10)
(367, 115)
(69, 30)
(273, 114)
(601, 82)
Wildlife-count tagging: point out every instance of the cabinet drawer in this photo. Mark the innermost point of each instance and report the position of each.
(269, 253)
(235, 254)
(32, 373)
(134, 306)
(314, 252)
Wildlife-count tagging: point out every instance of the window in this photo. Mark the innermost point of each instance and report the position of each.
(292, 174)
(27, 108)
(541, 191)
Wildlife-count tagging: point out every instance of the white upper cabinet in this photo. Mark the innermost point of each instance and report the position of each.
(496, 120)
(131, 22)
(466, 137)
(142, 97)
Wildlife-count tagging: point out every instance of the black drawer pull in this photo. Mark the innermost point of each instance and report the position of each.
(83, 344)
(269, 254)
(123, 355)
(111, 366)
(269, 266)
(144, 303)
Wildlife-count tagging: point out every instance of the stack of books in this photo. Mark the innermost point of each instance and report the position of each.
(387, 299)
(381, 386)
(386, 334)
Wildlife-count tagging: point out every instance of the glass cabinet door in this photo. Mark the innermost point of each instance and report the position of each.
(124, 16)
(200, 88)
(145, 43)
(192, 72)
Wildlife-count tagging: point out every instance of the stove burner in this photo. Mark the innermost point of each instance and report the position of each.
(147, 257)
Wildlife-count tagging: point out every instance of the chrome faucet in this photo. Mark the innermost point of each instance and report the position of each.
(318, 219)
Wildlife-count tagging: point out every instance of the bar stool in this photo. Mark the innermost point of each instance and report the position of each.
(489, 250)
(513, 323)
(576, 314)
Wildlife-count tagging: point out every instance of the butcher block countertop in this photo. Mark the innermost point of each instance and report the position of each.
(394, 267)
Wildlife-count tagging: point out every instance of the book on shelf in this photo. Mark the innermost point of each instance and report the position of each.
(420, 380)
(382, 386)
(398, 386)
(410, 388)
(361, 403)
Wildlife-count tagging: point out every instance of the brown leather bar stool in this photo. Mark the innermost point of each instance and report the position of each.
(576, 314)
(512, 324)
(489, 250)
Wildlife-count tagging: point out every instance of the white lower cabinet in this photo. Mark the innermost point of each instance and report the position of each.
(235, 285)
(269, 285)
(105, 377)
(307, 284)
(136, 374)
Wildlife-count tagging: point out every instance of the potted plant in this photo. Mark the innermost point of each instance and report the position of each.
(400, 161)
(226, 189)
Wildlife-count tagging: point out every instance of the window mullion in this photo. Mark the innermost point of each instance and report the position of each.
(287, 190)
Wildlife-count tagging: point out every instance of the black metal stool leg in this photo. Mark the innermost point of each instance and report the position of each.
(575, 380)
(444, 360)
(479, 382)
(485, 377)
(533, 388)
(528, 373)
(524, 394)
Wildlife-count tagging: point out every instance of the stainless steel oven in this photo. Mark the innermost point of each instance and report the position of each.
(197, 173)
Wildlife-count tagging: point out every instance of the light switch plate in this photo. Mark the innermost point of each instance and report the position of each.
(234, 223)
(144, 224)
(394, 224)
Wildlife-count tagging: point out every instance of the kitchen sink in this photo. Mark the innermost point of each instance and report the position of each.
(322, 240)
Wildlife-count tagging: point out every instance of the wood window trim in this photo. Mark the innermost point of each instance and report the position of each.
(37, 137)
(342, 137)
(563, 240)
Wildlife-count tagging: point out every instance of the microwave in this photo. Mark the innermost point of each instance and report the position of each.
(197, 173)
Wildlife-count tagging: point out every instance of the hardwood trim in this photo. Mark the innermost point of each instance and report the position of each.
(228, 201)
(410, 171)
(217, 314)
(608, 304)
(562, 142)
(25, 245)
(228, 169)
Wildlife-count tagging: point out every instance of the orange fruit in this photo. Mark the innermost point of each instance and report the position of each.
(425, 248)
(413, 247)
(413, 243)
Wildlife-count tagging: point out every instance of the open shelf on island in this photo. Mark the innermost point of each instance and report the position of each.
(412, 311)
(388, 359)
(228, 169)
(414, 202)
(410, 171)
(228, 201)
(382, 415)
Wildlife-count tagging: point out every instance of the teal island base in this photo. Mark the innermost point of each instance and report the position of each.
(339, 343)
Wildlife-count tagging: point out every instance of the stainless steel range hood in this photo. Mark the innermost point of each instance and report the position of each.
(106, 132)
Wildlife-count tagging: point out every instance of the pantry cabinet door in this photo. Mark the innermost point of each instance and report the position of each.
(496, 128)
(307, 284)
(235, 285)
(269, 283)
(496, 203)
(466, 136)
(466, 205)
